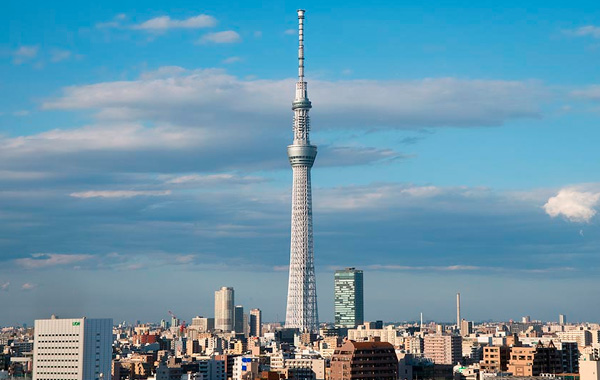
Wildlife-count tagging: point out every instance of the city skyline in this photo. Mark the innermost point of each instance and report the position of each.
(456, 153)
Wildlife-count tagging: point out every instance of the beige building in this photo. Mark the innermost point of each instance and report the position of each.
(533, 361)
(582, 337)
(589, 367)
(255, 322)
(443, 349)
(495, 359)
(365, 332)
(202, 324)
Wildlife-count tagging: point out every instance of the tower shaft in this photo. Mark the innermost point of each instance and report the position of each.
(301, 311)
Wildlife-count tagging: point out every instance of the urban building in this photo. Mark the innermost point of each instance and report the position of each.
(224, 316)
(348, 298)
(589, 367)
(238, 319)
(255, 322)
(569, 352)
(533, 361)
(365, 361)
(443, 349)
(495, 359)
(388, 334)
(211, 369)
(582, 336)
(72, 349)
(466, 327)
(246, 367)
(562, 319)
(301, 310)
(202, 324)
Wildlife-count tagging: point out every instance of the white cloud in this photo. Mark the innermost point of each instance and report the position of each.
(28, 286)
(231, 60)
(5, 286)
(590, 92)
(214, 179)
(385, 195)
(164, 23)
(212, 94)
(43, 260)
(573, 205)
(102, 137)
(120, 193)
(58, 55)
(114, 23)
(24, 54)
(290, 31)
(225, 37)
(588, 30)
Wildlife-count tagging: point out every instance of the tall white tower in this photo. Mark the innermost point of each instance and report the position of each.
(224, 313)
(301, 309)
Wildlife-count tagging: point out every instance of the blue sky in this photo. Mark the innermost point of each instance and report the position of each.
(142, 157)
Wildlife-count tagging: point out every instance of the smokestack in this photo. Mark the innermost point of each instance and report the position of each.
(458, 311)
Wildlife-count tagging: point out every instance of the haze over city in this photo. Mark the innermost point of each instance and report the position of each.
(143, 158)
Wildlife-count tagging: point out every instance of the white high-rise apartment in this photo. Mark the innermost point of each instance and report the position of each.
(72, 349)
(224, 317)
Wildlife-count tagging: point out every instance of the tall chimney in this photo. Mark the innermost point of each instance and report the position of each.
(458, 311)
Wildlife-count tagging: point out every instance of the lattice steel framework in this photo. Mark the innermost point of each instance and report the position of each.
(301, 309)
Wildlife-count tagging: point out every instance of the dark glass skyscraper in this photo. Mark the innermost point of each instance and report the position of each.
(348, 298)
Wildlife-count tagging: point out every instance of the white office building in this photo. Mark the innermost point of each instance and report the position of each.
(224, 316)
(72, 349)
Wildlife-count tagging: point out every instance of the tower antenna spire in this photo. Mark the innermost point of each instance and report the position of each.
(300, 45)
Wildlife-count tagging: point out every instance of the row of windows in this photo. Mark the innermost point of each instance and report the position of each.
(58, 347)
(57, 373)
(53, 360)
(57, 353)
(58, 366)
(58, 335)
(58, 341)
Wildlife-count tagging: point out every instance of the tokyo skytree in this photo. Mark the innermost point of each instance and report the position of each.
(301, 309)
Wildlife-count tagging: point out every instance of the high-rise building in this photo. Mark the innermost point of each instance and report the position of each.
(443, 349)
(255, 322)
(164, 324)
(348, 298)
(72, 349)
(224, 317)
(364, 361)
(238, 319)
(301, 310)
(562, 319)
(466, 327)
